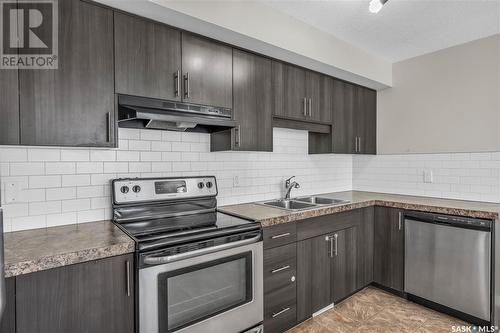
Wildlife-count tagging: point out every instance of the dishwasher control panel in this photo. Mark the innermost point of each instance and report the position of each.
(457, 221)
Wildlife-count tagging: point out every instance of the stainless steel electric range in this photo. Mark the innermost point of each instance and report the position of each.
(198, 270)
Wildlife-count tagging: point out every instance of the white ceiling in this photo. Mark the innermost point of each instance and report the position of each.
(403, 28)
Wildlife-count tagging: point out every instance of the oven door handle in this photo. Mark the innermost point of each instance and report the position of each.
(152, 260)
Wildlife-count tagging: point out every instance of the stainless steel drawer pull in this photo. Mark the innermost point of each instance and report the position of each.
(280, 269)
(276, 314)
(280, 235)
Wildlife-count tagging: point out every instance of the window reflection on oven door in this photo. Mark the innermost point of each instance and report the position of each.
(216, 292)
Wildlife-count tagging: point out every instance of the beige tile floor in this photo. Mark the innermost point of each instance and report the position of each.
(374, 310)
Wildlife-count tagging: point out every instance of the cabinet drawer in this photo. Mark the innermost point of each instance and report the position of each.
(280, 310)
(280, 234)
(280, 267)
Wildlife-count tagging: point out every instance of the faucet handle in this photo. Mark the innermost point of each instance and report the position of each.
(288, 181)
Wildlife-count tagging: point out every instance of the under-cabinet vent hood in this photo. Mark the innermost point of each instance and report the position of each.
(140, 112)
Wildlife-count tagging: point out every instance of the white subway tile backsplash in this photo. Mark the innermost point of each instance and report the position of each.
(73, 185)
(466, 176)
(44, 181)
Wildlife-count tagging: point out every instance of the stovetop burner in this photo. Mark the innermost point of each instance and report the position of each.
(160, 215)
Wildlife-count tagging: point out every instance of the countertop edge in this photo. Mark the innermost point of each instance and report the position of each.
(65, 259)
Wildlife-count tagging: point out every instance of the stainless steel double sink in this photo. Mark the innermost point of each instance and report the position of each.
(302, 203)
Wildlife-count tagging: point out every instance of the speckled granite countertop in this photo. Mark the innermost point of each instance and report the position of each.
(269, 216)
(40, 249)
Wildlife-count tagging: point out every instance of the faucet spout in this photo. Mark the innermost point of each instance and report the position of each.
(289, 185)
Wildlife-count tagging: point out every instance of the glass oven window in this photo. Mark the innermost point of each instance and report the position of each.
(192, 294)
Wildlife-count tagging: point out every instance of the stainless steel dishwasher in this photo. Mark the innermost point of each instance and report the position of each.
(448, 262)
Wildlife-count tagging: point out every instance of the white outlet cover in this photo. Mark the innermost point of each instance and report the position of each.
(428, 176)
(12, 192)
(236, 181)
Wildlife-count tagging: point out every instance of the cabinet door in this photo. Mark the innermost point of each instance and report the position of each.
(344, 256)
(319, 90)
(74, 104)
(147, 58)
(90, 297)
(9, 107)
(8, 322)
(388, 260)
(313, 276)
(294, 92)
(366, 120)
(343, 135)
(207, 71)
(253, 102)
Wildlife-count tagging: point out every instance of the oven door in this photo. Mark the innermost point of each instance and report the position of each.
(215, 292)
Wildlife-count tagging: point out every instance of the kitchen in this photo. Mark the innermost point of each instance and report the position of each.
(252, 166)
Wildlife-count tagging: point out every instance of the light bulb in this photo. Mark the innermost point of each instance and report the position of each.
(375, 6)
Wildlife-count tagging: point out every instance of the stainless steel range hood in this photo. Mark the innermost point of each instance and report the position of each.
(140, 112)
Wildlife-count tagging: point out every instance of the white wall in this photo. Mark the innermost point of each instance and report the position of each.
(261, 28)
(64, 186)
(446, 101)
(465, 176)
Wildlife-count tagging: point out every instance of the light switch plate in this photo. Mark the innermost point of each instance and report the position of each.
(428, 176)
(12, 192)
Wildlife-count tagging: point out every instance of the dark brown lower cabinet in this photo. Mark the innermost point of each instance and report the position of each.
(91, 297)
(8, 322)
(388, 259)
(280, 270)
(344, 266)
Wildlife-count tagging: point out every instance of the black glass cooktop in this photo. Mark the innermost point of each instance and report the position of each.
(174, 230)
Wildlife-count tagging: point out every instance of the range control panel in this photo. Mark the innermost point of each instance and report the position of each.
(136, 190)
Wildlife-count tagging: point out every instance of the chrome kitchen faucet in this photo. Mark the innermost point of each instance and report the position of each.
(289, 185)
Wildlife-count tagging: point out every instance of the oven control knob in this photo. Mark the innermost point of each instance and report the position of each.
(209, 184)
(136, 189)
(201, 185)
(124, 189)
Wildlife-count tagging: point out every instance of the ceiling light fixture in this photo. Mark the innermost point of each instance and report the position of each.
(376, 5)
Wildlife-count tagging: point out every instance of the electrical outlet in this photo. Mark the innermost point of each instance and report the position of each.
(428, 176)
(236, 181)
(12, 192)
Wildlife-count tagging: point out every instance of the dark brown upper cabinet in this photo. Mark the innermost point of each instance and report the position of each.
(252, 106)
(343, 133)
(365, 119)
(354, 119)
(388, 259)
(207, 71)
(319, 90)
(9, 107)
(147, 58)
(96, 296)
(74, 104)
(301, 94)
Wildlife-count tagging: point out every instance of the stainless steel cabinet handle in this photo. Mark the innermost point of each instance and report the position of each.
(280, 269)
(127, 267)
(330, 239)
(305, 107)
(177, 78)
(359, 144)
(237, 136)
(108, 124)
(276, 314)
(310, 107)
(186, 85)
(280, 235)
(355, 144)
(400, 222)
(335, 237)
